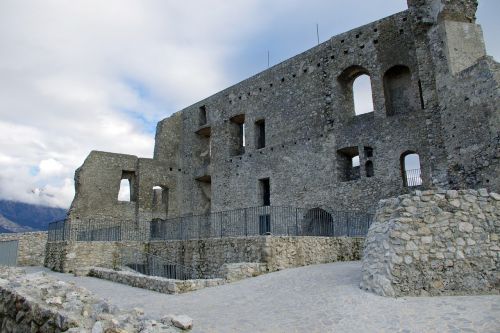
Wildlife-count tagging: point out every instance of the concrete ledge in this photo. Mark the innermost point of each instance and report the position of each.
(155, 283)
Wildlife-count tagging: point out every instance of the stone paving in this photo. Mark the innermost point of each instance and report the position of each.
(319, 298)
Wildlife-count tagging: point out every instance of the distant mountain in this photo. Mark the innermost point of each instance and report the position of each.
(21, 217)
(7, 225)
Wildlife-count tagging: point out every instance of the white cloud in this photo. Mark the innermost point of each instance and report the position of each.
(83, 75)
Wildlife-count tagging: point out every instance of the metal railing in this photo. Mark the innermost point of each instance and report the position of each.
(154, 265)
(58, 231)
(245, 222)
(271, 220)
(413, 177)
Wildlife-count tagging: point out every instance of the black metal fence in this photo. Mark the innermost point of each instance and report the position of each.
(151, 264)
(92, 231)
(58, 231)
(269, 220)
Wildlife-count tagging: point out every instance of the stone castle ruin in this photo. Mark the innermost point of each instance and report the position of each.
(289, 143)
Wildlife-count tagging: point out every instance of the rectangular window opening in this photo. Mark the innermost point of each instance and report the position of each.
(265, 191)
(260, 134)
(126, 193)
(348, 164)
(203, 115)
(238, 133)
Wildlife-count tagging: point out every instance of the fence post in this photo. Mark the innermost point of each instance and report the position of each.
(246, 223)
(348, 227)
(296, 221)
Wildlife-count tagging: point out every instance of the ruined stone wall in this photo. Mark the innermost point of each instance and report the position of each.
(434, 92)
(434, 243)
(38, 303)
(31, 247)
(205, 258)
(309, 115)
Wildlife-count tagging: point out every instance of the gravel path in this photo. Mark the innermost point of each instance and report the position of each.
(320, 298)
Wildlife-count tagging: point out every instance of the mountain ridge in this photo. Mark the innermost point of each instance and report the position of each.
(18, 216)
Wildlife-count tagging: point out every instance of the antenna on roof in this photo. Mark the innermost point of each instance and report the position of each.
(317, 32)
(267, 58)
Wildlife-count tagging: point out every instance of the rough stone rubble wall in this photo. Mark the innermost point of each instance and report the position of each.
(38, 303)
(155, 283)
(205, 258)
(434, 243)
(31, 247)
(72, 256)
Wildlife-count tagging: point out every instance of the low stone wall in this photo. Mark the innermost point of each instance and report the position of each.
(205, 257)
(38, 303)
(155, 283)
(242, 270)
(68, 257)
(289, 252)
(434, 243)
(31, 247)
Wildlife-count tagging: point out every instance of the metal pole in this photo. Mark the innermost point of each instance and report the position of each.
(317, 32)
(268, 59)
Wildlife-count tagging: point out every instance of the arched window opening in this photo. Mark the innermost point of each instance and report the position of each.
(369, 169)
(362, 94)
(318, 222)
(357, 93)
(124, 192)
(400, 96)
(411, 170)
(160, 201)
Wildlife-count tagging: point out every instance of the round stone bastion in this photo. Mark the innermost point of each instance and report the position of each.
(440, 242)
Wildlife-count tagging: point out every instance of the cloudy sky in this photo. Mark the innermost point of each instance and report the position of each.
(91, 74)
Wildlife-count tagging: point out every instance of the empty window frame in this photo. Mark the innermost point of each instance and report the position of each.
(410, 169)
(400, 95)
(348, 164)
(237, 131)
(203, 115)
(265, 191)
(369, 172)
(357, 90)
(260, 134)
(126, 192)
(160, 196)
(362, 94)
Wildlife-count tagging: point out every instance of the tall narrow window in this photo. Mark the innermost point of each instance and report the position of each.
(260, 134)
(127, 182)
(400, 96)
(410, 169)
(362, 94)
(265, 191)
(369, 169)
(160, 199)
(237, 131)
(124, 192)
(203, 115)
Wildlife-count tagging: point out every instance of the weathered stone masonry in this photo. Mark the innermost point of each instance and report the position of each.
(434, 243)
(31, 247)
(435, 94)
